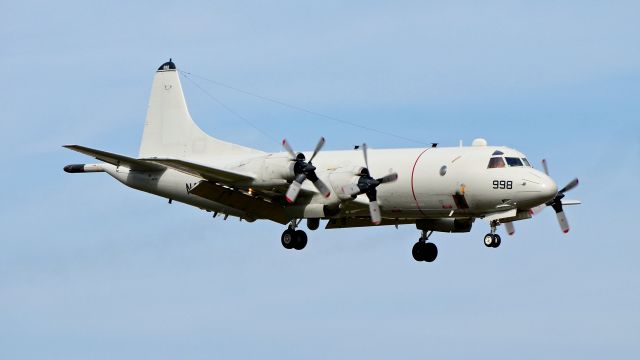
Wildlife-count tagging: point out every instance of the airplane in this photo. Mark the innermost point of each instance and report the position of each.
(437, 189)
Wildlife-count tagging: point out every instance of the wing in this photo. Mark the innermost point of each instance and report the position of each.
(258, 207)
(158, 164)
(203, 171)
(230, 178)
(117, 159)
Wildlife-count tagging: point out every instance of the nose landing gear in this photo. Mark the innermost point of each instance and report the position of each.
(423, 250)
(492, 239)
(292, 238)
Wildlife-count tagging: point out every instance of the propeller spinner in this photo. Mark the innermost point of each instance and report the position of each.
(303, 170)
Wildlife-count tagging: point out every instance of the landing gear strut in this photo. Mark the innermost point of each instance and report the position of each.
(423, 250)
(492, 239)
(292, 238)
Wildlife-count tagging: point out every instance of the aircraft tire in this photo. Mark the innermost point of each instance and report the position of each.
(288, 238)
(497, 240)
(489, 240)
(418, 251)
(430, 252)
(424, 251)
(300, 240)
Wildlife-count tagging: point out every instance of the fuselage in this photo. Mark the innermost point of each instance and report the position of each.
(433, 182)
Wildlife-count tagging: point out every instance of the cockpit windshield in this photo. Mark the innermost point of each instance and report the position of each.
(496, 162)
(501, 162)
(514, 161)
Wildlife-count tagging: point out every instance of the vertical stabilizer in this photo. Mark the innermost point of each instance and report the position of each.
(169, 130)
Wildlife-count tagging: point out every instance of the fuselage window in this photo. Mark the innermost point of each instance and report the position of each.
(513, 161)
(496, 162)
(526, 162)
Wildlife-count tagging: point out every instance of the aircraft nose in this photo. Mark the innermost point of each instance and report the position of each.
(548, 188)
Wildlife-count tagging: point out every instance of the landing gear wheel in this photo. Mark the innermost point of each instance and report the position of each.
(430, 252)
(288, 238)
(488, 240)
(417, 251)
(424, 251)
(496, 240)
(300, 240)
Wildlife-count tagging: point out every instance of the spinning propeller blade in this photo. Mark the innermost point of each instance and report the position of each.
(374, 211)
(287, 146)
(292, 192)
(510, 228)
(317, 149)
(388, 178)
(556, 203)
(545, 167)
(304, 170)
(569, 186)
(562, 220)
(366, 157)
(367, 185)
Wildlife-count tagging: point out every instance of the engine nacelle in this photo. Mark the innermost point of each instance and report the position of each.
(445, 225)
(341, 179)
(312, 211)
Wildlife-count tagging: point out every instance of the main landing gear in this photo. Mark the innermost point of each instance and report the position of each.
(292, 238)
(492, 239)
(423, 250)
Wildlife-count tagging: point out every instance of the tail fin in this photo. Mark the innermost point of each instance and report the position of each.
(169, 130)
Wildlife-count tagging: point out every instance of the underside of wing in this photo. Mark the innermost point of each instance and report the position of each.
(117, 159)
(256, 206)
(351, 222)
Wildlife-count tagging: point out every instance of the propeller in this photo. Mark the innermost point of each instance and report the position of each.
(510, 228)
(556, 202)
(303, 170)
(367, 184)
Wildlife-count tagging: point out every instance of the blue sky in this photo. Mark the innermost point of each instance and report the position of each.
(91, 269)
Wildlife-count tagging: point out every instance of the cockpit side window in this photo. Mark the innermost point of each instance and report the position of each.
(496, 162)
(526, 162)
(514, 161)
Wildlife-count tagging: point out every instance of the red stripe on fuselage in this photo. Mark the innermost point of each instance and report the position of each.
(412, 187)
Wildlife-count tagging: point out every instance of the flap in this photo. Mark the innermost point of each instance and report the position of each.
(117, 159)
(254, 206)
(203, 171)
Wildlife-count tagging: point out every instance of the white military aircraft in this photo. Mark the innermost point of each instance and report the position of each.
(436, 188)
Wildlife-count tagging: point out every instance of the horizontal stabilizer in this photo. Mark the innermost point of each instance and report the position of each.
(117, 159)
(203, 171)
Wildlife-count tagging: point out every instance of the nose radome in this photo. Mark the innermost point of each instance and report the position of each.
(549, 188)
